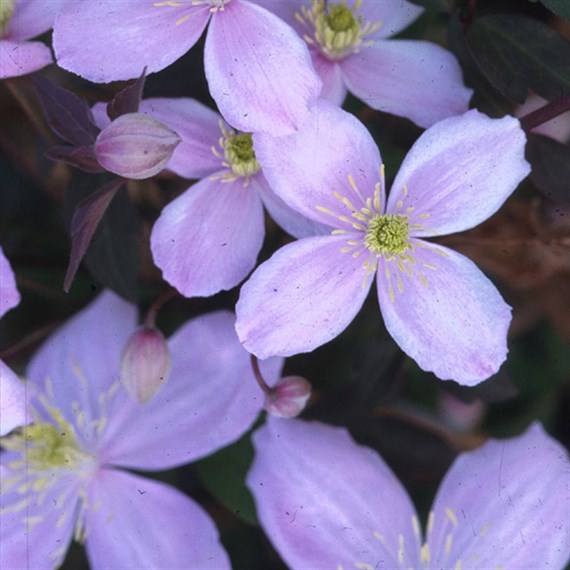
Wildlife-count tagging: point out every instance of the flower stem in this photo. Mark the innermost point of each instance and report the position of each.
(150, 318)
(259, 377)
(546, 113)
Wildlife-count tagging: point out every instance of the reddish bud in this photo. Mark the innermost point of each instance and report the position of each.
(288, 398)
(135, 146)
(145, 364)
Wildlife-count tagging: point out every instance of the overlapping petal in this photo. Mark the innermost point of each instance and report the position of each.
(326, 502)
(394, 15)
(12, 400)
(20, 58)
(108, 40)
(139, 523)
(9, 295)
(460, 172)
(414, 79)
(208, 238)
(31, 18)
(258, 69)
(306, 294)
(330, 72)
(447, 316)
(306, 168)
(505, 505)
(210, 400)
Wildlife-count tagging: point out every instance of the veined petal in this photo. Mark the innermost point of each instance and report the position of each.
(414, 79)
(9, 295)
(306, 294)
(20, 58)
(140, 523)
(259, 70)
(334, 89)
(306, 168)
(81, 360)
(394, 15)
(31, 18)
(444, 313)
(207, 239)
(198, 127)
(12, 400)
(505, 505)
(109, 40)
(210, 400)
(326, 502)
(459, 172)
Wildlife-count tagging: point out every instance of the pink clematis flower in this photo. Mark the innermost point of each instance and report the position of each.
(259, 71)
(326, 502)
(67, 474)
(440, 309)
(12, 389)
(351, 50)
(21, 20)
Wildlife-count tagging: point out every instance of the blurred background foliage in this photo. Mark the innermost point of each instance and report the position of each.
(361, 380)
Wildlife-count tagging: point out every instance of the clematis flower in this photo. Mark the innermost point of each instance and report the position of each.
(259, 71)
(21, 20)
(208, 239)
(66, 475)
(326, 502)
(12, 389)
(440, 309)
(350, 45)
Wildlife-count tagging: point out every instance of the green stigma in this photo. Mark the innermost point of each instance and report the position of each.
(388, 234)
(239, 153)
(6, 11)
(336, 29)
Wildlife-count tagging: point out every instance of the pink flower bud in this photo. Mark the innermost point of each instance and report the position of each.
(288, 398)
(145, 364)
(135, 146)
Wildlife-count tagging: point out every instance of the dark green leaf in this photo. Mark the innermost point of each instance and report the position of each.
(559, 7)
(516, 54)
(550, 167)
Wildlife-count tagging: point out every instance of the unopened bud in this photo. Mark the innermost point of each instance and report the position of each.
(145, 364)
(135, 146)
(288, 398)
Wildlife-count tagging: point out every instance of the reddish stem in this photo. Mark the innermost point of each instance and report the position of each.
(259, 377)
(546, 113)
(150, 319)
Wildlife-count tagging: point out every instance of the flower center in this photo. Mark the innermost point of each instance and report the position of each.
(388, 234)
(336, 29)
(6, 11)
(239, 154)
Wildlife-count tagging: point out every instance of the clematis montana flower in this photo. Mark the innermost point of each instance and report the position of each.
(259, 71)
(326, 502)
(12, 389)
(66, 475)
(21, 20)
(440, 309)
(351, 50)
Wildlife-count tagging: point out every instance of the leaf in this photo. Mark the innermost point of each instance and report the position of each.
(67, 114)
(516, 54)
(559, 7)
(438, 5)
(87, 216)
(550, 167)
(128, 99)
(82, 157)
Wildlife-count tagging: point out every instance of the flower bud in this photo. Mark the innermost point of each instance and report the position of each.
(288, 398)
(145, 364)
(135, 146)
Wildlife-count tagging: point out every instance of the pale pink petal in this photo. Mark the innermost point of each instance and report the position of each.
(198, 127)
(139, 523)
(306, 294)
(286, 10)
(81, 360)
(31, 18)
(207, 239)
(326, 502)
(307, 167)
(38, 535)
(334, 89)
(505, 505)
(12, 400)
(447, 316)
(210, 400)
(459, 172)
(394, 15)
(108, 40)
(414, 79)
(20, 58)
(262, 79)
(9, 295)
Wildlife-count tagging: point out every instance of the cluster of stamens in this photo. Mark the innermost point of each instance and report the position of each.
(335, 29)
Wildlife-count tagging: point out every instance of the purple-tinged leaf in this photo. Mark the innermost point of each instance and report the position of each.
(68, 115)
(88, 214)
(128, 99)
(82, 157)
